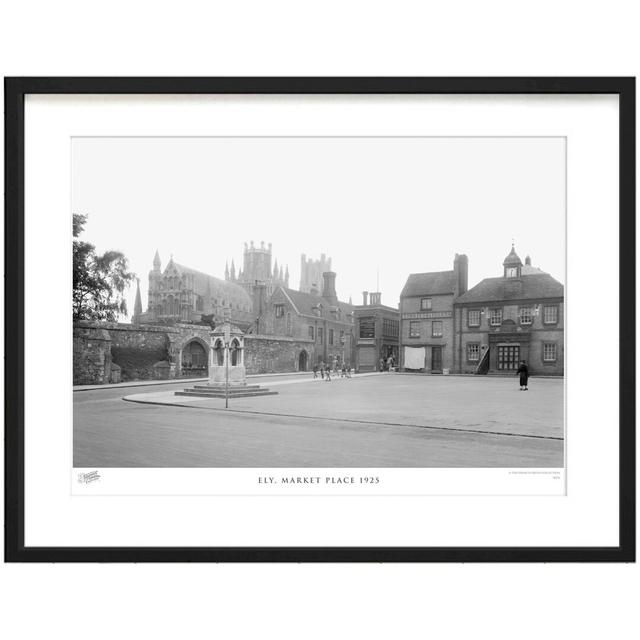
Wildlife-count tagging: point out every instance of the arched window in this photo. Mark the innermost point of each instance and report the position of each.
(219, 349)
(235, 353)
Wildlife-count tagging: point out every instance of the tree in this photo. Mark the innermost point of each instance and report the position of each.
(99, 281)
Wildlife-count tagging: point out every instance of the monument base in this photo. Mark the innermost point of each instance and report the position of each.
(218, 376)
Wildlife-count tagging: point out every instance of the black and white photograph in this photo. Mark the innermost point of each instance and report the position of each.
(318, 302)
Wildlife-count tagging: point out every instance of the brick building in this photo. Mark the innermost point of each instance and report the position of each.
(377, 332)
(318, 318)
(518, 316)
(426, 318)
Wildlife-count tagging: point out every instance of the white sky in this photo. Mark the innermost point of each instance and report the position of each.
(393, 205)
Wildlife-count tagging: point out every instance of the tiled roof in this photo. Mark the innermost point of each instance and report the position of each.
(529, 287)
(305, 302)
(422, 284)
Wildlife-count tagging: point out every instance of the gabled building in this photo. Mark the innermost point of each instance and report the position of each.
(426, 317)
(320, 320)
(518, 316)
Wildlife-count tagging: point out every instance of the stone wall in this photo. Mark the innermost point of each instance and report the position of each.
(136, 350)
(150, 352)
(91, 355)
(276, 354)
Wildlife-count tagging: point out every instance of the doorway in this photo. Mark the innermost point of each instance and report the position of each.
(303, 360)
(436, 359)
(194, 359)
(508, 357)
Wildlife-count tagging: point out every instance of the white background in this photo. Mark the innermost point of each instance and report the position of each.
(489, 38)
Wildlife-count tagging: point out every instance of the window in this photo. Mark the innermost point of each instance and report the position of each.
(330, 336)
(495, 319)
(425, 304)
(551, 315)
(312, 334)
(390, 328)
(473, 352)
(320, 335)
(414, 328)
(526, 315)
(341, 337)
(279, 310)
(549, 352)
(512, 272)
(473, 318)
(436, 329)
(367, 328)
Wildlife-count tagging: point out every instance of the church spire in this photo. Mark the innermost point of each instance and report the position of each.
(156, 262)
(233, 271)
(275, 270)
(137, 307)
(226, 270)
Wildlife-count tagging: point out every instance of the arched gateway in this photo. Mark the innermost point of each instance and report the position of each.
(303, 361)
(195, 357)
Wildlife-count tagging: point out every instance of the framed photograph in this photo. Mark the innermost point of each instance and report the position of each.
(320, 319)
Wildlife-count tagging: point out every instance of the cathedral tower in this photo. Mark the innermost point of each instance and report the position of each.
(311, 272)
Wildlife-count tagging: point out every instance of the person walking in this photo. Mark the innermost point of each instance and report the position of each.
(315, 370)
(523, 372)
(322, 370)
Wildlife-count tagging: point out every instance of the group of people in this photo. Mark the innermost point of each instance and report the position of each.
(342, 370)
(387, 364)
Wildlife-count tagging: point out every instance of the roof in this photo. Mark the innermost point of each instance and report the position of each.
(513, 258)
(305, 302)
(209, 285)
(529, 287)
(436, 282)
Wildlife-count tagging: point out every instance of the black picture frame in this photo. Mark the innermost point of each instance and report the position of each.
(15, 91)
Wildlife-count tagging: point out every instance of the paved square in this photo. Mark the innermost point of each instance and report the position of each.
(379, 420)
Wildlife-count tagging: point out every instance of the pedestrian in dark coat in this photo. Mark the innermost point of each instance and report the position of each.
(523, 372)
(315, 370)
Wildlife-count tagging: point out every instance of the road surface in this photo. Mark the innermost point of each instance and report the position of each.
(385, 420)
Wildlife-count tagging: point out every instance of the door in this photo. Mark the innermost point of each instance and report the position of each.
(436, 359)
(302, 361)
(508, 357)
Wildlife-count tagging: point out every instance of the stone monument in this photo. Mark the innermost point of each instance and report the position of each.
(227, 373)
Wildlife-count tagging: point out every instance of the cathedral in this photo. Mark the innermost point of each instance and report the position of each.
(256, 268)
(182, 294)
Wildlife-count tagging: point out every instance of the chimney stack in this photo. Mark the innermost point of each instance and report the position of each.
(364, 298)
(461, 269)
(374, 298)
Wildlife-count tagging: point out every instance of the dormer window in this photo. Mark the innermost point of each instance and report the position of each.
(511, 272)
(279, 309)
